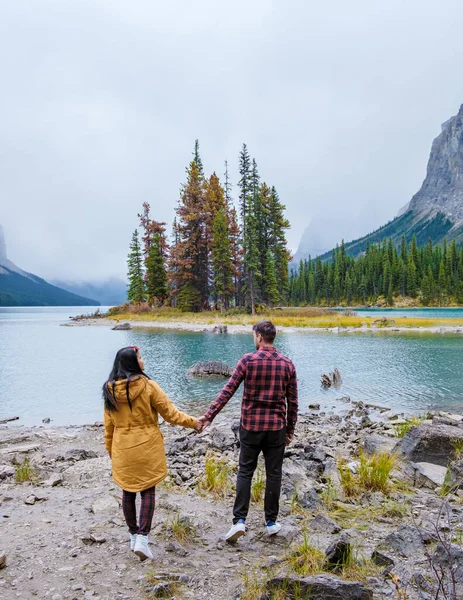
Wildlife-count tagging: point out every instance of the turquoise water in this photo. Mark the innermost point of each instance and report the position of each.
(57, 372)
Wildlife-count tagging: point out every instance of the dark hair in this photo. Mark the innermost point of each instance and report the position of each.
(267, 330)
(125, 367)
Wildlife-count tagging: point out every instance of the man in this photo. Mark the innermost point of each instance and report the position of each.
(268, 419)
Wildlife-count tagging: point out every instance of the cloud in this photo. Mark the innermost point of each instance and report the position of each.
(102, 101)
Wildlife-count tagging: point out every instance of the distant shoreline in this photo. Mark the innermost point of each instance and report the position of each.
(246, 328)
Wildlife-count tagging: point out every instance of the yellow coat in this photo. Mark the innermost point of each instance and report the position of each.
(133, 436)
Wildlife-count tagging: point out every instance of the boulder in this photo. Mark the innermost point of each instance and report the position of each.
(79, 454)
(320, 587)
(429, 475)
(430, 443)
(122, 327)
(378, 443)
(54, 480)
(210, 368)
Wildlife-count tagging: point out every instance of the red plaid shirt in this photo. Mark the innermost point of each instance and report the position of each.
(270, 385)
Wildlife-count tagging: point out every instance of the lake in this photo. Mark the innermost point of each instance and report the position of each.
(57, 372)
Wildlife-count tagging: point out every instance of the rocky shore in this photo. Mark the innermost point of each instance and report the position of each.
(379, 327)
(63, 536)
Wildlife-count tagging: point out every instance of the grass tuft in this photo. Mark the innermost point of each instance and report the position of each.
(402, 428)
(258, 486)
(374, 471)
(181, 529)
(305, 559)
(217, 477)
(25, 471)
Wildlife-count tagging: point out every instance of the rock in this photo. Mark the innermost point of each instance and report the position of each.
(79, 454)
(46, 420)
(93, 538)
(220, 329)
(323, 524)
(2, 559)
(54, 480)
(407, 541)
(163, 589)
(429, 443)
(309, 499)
(6, 471)
(450, 558)
(320, 587)
(315, 406)
(176, 548)
(222, 438)
(429, 475)
(210, 368)
(286, 536)
(122, 327)
(104, 505)
(453, 478)
(339, 551)
(378, 443)
(24, 449)
(382, 559)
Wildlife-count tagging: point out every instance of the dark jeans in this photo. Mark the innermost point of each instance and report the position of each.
(272, 445)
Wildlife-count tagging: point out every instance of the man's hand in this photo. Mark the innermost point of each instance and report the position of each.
(204, 423)
(198, 426)
(289, 439)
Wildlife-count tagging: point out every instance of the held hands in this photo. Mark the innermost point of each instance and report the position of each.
(201, 424)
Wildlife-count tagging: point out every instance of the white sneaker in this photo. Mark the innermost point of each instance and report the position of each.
(141, 547)
(133, 539)
(272, 528)
(236, 531)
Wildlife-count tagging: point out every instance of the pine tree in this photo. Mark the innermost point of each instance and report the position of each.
(222, 260)
(270, 281)
(136, 286)
(156, 280)
(244, 186)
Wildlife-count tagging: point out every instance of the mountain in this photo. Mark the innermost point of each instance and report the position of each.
(111, 292)
(436, 210)
(18, 288)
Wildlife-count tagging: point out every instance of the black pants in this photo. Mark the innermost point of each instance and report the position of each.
(272, 445)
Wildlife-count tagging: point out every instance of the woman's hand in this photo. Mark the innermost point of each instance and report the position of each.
(198, 426)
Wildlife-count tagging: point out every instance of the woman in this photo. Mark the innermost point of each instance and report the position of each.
(134, 441)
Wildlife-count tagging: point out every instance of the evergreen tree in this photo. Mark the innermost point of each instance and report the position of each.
(222, 260)
(136, 286)
(156, 280)
(270, 281)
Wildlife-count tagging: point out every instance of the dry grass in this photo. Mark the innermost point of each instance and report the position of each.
(25, 471)
(287, 317)
(181, 529)
(258, 486)
(217, 477)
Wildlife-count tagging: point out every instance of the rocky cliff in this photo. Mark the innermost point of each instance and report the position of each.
(436, 210)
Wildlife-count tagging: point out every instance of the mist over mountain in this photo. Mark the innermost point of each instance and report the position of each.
(435, 211)
(19, 288)
(110, 292)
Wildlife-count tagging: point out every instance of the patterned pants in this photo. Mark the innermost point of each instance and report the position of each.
(148, 501)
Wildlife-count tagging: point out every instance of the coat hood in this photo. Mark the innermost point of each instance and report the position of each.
(137, 386)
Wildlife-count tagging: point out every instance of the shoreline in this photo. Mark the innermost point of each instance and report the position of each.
(241, 329)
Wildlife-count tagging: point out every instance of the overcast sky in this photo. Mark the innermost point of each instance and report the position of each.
(101, 101)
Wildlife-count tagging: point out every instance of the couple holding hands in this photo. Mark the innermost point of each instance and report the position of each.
(132, 402)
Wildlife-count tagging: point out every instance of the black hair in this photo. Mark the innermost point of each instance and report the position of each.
(125, 367)
(267, 330)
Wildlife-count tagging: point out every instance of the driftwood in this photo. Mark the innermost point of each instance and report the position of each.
(210, 368)
(334, 379)
(8, 419)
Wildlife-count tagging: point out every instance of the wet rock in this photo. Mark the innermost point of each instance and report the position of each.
(104, 505)
(320, 587)
(6, 471)
(323, 524)
(122, 327)
(429, 443)
(210, 368)
(429, 475)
